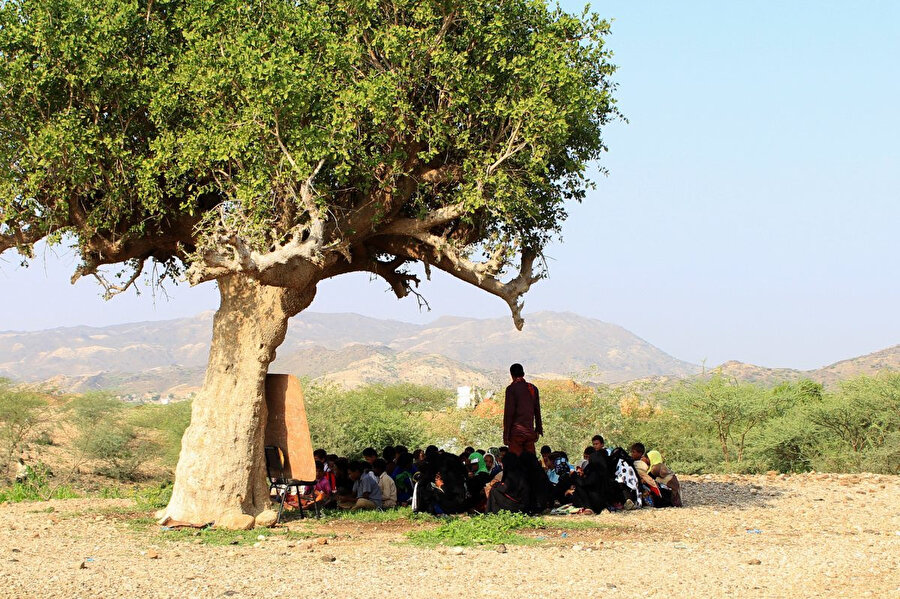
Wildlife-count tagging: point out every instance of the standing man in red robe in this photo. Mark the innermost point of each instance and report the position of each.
(521, 414)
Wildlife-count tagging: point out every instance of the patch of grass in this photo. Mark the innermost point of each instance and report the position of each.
(492, 529)
(375, 517)
(35, 491)
(153, 498)
(113, 492)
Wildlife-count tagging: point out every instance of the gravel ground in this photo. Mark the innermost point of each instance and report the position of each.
(762, 536)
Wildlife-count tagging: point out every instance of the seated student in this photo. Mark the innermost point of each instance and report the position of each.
(651, 494)
(501, 453)
(592, 488)
(664, 475)
(389, 455)
(403, 478)
(322, 491)
(511, 492)
(639, 452)
(370, 455)
(564, 481)
(492, 464)
(599, 444)
(545, 457)
(418, 458)
(625, 484)
(343, 485)
(365, 489)
(321, 457)
(588, 451)
(478, 479)
(386, 484)
(441, 486)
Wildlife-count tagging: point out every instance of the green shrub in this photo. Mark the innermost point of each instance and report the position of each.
(169, 423)
(20, 413)
(346, 422)
(37, 487)
(153, 497)
(105, 435)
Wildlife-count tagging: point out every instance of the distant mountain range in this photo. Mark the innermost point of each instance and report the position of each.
(169, 357)
(885, 359)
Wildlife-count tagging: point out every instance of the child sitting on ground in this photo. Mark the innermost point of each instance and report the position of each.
(321, 492)
(385, 483)
(664, 475)
(366, 494)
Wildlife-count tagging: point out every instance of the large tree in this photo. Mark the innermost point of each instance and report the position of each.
(269, 145)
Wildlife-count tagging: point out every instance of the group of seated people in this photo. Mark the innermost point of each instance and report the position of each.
(478, 481)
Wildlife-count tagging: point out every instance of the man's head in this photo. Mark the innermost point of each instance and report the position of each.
(546, 451)
(516, 371)
(400, 450)
(501, 453)
(637, 451)
(355, 470)
(369, 454)
(320, 455)
(389, 453)
(378, 466)
(598, 442)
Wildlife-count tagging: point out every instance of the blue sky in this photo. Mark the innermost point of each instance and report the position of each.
(750, 211)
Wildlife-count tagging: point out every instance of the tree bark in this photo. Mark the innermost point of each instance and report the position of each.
(221, 468)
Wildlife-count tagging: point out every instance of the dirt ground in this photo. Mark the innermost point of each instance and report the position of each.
(813, 535)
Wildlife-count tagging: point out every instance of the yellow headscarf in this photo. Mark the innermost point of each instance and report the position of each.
(655, 457)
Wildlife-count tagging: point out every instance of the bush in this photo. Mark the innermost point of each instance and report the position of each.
(37, 487)
(105, 435)
(169, 423)
(20, 413)
(347, 422)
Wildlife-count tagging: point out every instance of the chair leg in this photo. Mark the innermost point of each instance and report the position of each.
(299, 501)
(281, 505)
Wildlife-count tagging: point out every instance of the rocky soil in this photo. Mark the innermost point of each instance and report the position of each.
(762, 536)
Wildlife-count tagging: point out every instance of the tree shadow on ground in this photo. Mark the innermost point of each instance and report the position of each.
(697, 493)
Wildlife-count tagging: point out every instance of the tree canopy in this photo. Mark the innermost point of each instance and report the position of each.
(295, 141)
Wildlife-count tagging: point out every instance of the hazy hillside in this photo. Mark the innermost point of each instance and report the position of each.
(348, 348)
(886, 359)
(551, 343)
(170, 356)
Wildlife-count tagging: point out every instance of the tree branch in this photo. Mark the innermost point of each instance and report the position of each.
(438, 252)
(111, 290)
(416, 226)
(402, 283)
(20, 238)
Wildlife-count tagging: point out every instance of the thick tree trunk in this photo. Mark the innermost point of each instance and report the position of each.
(221, 468)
